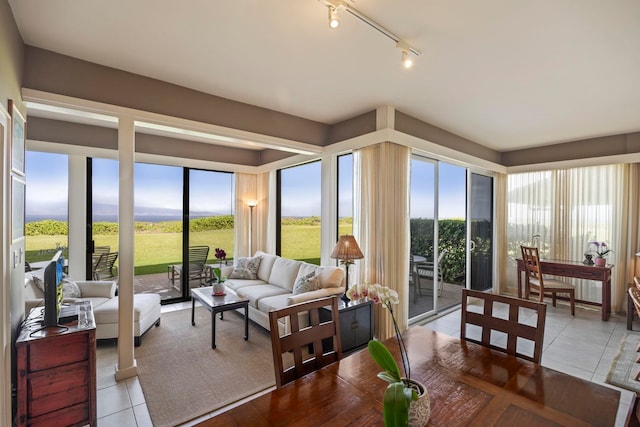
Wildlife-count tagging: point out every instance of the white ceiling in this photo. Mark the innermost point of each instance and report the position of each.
(506, 74)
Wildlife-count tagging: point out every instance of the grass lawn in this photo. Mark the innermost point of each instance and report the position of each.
(155, 251)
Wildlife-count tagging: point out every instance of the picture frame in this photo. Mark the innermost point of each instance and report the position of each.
(18, 128)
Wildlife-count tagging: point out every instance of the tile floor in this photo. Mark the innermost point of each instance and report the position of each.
(582, 346)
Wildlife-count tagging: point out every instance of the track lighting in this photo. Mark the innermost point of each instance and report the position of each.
(334, 22)
(407, 60)
(408, 52)
(406, 57)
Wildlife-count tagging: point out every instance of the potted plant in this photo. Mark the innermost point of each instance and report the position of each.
(601, 252)
(405, 401)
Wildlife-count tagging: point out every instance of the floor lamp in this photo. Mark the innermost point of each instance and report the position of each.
(346, 250)
(252, 204)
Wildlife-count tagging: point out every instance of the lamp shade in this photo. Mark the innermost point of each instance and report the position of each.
(347, 249)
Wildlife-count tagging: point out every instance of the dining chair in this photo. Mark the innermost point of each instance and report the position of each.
(303, 339)
(534, 280)
(633, 416)
(491, 318)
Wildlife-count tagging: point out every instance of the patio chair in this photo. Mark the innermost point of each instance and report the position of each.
(104, 267)
(302, 339)
(425, 270)
(97, 251)
(197, 267)
(515, 330)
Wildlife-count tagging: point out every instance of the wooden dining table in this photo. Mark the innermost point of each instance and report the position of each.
(468, 385)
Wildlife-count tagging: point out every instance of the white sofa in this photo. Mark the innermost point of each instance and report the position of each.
(102, 294)
(273, 287)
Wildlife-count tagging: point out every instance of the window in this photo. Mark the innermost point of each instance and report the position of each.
(46, 205)
(300, 196)
(345, 195)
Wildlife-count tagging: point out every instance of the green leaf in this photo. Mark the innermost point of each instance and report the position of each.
(385, 360)
(395, 406)
(388, 378)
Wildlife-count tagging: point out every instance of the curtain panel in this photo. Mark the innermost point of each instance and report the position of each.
(561, 211)
(381, 225)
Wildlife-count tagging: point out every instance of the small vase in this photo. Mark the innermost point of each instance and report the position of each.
(600, 262)
(419, 410)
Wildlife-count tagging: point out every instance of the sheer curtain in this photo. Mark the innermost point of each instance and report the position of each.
(560, 211)
(381, 225)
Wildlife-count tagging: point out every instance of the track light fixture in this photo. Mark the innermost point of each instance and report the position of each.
(406, 58)
(408, 52)
(334, 22)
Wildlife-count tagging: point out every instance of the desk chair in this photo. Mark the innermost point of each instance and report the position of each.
(534, 280)
(302, 340)
(488, 321)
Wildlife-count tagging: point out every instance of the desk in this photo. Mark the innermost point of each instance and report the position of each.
(467, 384)
(577, 270)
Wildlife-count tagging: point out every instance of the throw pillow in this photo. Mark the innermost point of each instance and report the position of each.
(70, 289)
(306, 283)
(38, 278)
(246, 268)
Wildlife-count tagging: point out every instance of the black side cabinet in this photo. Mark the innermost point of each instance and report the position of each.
(356, 325)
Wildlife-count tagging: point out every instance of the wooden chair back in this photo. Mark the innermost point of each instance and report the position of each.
(104, 267)
(533, 271)
(489, 321)
(633, 416)
(304, 343)
(634, 292)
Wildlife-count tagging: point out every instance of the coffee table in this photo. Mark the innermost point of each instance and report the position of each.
(219, 304)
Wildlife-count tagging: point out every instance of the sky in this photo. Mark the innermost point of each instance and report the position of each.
(159, 187)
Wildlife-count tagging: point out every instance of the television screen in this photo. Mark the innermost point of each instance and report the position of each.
(53, 275)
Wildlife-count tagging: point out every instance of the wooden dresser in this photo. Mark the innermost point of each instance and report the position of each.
(56, 373)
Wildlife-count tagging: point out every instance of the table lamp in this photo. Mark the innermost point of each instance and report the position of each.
(346, 250)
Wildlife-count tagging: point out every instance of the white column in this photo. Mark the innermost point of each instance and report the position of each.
(77, 216)
(328, 208)
(126, 366)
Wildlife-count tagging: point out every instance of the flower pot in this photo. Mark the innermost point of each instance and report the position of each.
(600, 262)
(419, 410)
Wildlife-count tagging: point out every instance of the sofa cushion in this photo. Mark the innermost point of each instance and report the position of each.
(38, 279)
(241, 283)
(275, 302)
(246, 268)
(266, 264)
(331, 277)
(284, 273)
(255, 293)
(108, 311)
(70, 289)
(306, 283)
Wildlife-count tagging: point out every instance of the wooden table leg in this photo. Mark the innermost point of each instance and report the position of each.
(630, 309)
(213, 329)
(246, 321)
(193, 309)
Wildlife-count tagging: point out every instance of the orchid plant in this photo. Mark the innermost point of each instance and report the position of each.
(601, 249)
(398, 394)
(220, 255)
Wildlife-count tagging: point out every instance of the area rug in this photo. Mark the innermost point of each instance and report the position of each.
(182, 377)
(625, 366)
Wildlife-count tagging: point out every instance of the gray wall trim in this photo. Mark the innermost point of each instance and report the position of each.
(52, 72)
(575, 150)
(415, 127)
(353, 127)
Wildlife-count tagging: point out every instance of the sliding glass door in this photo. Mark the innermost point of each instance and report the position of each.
(481, 232)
